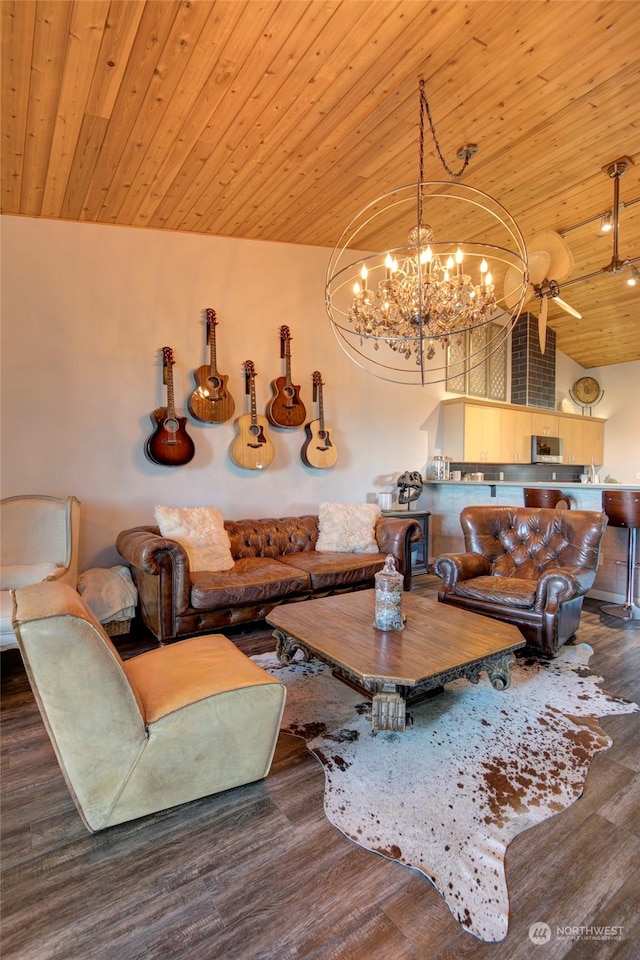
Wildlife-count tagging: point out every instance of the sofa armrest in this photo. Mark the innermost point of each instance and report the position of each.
(395, 536)
(160, 569)
(559, 584)
(454, 567)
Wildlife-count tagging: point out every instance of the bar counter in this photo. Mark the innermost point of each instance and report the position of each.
(446, 498)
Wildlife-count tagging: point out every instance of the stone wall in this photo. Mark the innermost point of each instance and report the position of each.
(533, 374)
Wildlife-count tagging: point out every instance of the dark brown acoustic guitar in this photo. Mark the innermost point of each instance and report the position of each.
(286, 409)
(211, 401)
(252, 448)
(319, 449)
(169, 445)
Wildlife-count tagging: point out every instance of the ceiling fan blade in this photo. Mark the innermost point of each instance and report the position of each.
(561, 258)
(542, 324)
(538, 267)
(567, 308)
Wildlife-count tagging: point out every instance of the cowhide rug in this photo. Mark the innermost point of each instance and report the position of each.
(476, 768)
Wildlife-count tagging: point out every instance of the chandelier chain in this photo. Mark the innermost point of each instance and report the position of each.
(424, 108)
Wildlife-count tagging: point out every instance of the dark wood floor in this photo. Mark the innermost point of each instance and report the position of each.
(258, 872)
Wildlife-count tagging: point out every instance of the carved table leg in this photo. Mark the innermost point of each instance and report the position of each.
(388, 712)
(499, 670)
(287, 646)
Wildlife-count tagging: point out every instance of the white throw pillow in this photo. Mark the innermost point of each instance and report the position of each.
(200, 531)
(347, 528)
(17, 575)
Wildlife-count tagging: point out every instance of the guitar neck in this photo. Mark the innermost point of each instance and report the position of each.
(213, 359)
(252, 401)
(320, 407)
(171, 408)
(287, 366)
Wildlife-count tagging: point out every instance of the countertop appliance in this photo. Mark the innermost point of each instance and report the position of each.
(546, 449)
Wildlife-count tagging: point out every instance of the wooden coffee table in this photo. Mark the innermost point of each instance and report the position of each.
(439, 643)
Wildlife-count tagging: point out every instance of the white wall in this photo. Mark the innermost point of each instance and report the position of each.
(620, 407)
(86, 311)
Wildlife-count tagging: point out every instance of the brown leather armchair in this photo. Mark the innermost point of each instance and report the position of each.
(527, 566)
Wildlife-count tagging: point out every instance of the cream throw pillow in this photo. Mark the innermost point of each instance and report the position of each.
(200, 530)
(347, 528)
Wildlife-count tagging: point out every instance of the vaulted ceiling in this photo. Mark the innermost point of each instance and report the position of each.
(280, 120)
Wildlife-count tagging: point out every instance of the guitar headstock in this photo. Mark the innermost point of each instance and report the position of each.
(167, 356)
(317, 383)
(249, 374)
(211, 317)
(285, 333)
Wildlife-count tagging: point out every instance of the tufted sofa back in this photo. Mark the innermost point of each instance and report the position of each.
(523, 542)
(272, 538)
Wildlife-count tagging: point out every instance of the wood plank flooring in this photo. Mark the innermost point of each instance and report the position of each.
(258, 872)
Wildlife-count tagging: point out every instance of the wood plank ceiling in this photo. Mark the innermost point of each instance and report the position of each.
(279, 121)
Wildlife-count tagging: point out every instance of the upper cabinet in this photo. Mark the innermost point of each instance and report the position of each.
(479, 432)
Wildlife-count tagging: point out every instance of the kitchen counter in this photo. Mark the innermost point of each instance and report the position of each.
(543, 484)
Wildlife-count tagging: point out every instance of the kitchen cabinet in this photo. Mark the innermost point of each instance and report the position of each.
(592, 442)
(544, 424)
(515, 436)
(570, 430)
(583, 440)
(481, 432)
(472, 432)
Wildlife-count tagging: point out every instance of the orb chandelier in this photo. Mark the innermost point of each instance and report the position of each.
(425, 308)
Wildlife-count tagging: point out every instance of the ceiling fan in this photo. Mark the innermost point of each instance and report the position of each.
(550, 262)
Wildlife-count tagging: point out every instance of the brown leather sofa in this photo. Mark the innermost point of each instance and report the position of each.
(275, 562)
(527, 566)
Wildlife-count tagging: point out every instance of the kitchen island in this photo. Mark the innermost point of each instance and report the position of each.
(446, 498)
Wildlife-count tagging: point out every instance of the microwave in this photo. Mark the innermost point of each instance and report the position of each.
(546, 449)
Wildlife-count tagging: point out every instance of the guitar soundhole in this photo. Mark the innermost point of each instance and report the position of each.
(289, 392)
(171, 426)
(258, 433)
(215, 383)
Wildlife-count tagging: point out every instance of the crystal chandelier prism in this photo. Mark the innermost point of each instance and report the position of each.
(397, 312)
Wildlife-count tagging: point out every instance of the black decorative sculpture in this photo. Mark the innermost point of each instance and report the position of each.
(409, 486)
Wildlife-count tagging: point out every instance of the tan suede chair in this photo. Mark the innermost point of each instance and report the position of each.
(39, 541)
(136, 736)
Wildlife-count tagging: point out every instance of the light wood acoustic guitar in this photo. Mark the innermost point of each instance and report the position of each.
(286, 409)
(252, 448)
(319, 449)
(211, 401)
(169, 445)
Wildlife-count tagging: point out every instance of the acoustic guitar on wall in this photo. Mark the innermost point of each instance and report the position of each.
(211, 401)
(169, 445)
(319, 449)
(252, 448)
(286, 409)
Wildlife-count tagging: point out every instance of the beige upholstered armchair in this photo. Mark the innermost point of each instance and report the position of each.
(39, 542)
(141, 735)
(527, 566)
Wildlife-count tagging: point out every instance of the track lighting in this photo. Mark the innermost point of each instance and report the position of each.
(634, 277)
(605, 224)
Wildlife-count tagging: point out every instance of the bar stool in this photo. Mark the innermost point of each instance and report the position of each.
(540, 497)
(623, 510)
